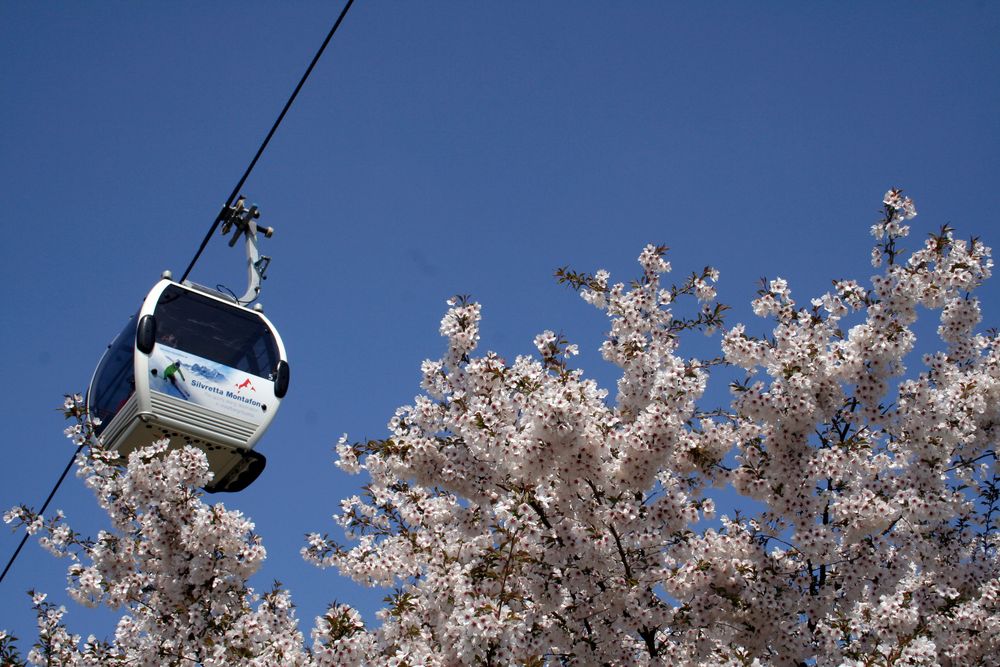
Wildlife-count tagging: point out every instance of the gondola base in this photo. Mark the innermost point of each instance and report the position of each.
(234, 467)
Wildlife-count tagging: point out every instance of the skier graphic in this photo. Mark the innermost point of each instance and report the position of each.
(170, 373)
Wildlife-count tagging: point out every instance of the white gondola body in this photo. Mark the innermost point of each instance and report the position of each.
(209, 380)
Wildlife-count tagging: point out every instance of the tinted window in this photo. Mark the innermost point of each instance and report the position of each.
(114, 380)
(227, 334)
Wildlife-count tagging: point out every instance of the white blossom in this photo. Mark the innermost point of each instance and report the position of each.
(523, 519)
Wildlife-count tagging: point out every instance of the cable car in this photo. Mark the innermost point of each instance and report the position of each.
(196, 366)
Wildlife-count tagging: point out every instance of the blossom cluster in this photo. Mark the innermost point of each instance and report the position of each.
(177, 567)
(522, 516)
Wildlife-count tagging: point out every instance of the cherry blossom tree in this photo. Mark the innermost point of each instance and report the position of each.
(520, 514)
(523, 518)
(176, 566)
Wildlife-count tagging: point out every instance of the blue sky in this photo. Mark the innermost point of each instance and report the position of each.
(444, 148)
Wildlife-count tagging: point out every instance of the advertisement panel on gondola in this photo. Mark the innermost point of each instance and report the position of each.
(210, 384)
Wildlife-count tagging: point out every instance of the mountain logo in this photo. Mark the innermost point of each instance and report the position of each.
(245, 384)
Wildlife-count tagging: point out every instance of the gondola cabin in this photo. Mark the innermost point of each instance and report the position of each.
(194, 366)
